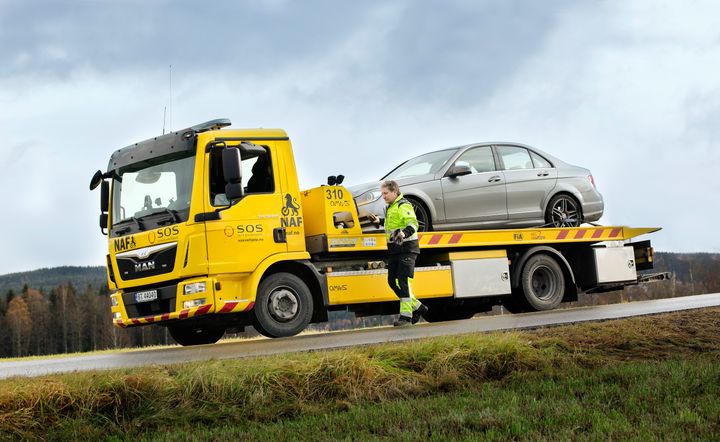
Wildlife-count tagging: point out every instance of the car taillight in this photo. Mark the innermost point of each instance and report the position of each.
(592, 180)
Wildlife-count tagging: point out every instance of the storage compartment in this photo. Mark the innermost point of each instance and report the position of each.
(477, 274)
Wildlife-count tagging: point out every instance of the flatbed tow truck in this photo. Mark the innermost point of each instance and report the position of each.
(198, 247)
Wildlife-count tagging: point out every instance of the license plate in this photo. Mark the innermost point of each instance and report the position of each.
(149, 295)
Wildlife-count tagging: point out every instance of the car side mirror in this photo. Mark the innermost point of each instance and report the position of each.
(458, 170)
(232, 172)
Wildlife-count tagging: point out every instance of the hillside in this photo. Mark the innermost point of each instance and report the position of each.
(47, 279)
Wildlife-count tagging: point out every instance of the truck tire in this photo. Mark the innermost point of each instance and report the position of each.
(283, 306)
(195, 335)
(542, 282)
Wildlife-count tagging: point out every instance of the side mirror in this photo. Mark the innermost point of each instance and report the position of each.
(104, 196)
(458, 170)
(95, 180)
(103, 223)
(232, 172)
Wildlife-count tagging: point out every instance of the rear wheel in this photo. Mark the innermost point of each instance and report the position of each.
(196, 334)
(422, 214)
(283, 306)
(563, 211)
(542, 282)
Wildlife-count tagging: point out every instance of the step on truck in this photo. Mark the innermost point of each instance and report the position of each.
(209, 231)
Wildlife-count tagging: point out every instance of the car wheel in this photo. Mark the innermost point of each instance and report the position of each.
(423, 216)
(563, 211)
(283, 306)
(543, 283)
(196, 335)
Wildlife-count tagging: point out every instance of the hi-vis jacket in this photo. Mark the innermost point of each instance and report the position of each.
(401, 215)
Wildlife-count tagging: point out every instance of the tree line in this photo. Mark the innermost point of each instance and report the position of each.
(65, 319)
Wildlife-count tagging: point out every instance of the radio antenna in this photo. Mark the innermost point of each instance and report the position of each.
(170, 125)
(164, 117)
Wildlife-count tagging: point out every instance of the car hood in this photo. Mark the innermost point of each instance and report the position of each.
(359, 189)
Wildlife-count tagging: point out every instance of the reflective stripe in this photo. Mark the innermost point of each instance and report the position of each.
(405, 299)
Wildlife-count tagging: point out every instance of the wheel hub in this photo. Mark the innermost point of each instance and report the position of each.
(543, 283)
(283, 304)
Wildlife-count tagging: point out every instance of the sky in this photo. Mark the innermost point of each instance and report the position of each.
(629, 89)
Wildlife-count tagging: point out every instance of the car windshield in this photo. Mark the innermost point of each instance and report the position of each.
(422, 165)
(151, 189)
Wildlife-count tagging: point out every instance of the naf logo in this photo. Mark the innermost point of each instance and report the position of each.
(145, 266)
(126, 243)
(291, 213)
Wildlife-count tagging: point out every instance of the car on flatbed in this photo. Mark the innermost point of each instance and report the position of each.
(489, 186)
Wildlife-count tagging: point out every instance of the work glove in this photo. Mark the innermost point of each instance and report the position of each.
(397, 237)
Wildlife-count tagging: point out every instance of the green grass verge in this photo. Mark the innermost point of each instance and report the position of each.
(641, 378)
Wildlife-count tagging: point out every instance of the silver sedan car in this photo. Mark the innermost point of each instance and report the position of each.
(488, 186)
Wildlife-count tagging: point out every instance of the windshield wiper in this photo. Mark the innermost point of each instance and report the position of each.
(174, 213)
(139, 223)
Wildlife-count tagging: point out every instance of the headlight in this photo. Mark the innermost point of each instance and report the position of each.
(117, 315)
(368, 197)
(114, 300)
(193, 303)
(196, 287)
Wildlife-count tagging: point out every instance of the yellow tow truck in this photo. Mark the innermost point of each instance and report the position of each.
(208, 231)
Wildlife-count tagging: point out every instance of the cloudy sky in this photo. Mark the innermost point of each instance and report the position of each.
(629, 89)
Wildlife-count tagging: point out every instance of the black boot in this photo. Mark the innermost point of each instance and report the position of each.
(419, 313)
(403, 321)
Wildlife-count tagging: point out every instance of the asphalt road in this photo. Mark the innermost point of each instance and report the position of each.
(259, 347)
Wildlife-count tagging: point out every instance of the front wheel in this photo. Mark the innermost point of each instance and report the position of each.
(542, 282)
(422, 215)
(196, 335)
(283, 306)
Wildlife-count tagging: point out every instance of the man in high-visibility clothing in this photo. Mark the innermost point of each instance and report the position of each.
(402, 241)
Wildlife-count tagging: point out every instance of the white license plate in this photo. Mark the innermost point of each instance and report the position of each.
(149, 295)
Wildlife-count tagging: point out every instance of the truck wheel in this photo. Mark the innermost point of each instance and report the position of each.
(563, 211)
(196, 335)
(543, 283)
(283, 306)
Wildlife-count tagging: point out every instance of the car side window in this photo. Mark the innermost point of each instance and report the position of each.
(514, 157)
(479, 159)
(540, 162)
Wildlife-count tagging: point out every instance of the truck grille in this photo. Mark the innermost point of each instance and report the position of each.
(148, 261)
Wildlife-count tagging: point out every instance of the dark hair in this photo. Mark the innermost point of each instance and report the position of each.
(391, 185)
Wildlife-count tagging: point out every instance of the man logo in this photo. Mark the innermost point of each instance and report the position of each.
(145, 266)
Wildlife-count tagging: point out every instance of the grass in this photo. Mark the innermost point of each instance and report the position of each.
(642, 378)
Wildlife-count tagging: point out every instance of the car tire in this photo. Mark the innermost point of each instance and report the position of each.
(283, 306)
(196, 335)
(542, 282)
(422, 214)
(563, 211)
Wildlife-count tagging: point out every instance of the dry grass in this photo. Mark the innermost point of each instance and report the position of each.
(267, 389)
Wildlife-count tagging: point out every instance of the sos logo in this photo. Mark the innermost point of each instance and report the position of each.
(163, 233)
(249, 228)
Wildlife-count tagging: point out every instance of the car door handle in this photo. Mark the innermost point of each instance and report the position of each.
(543, 173)
(494, 179)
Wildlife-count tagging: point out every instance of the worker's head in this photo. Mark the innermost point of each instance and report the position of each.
(390, 191)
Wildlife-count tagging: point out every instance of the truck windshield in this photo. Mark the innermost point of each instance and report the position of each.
(422, 165)
(147, 195)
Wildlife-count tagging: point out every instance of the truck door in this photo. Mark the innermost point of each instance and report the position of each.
(527, 185)
(244, 235)
(478, 197)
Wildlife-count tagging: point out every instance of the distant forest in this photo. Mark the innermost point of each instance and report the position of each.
(67, 309)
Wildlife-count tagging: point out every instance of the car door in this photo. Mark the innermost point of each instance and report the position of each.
(529, 179)
(478, 197)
